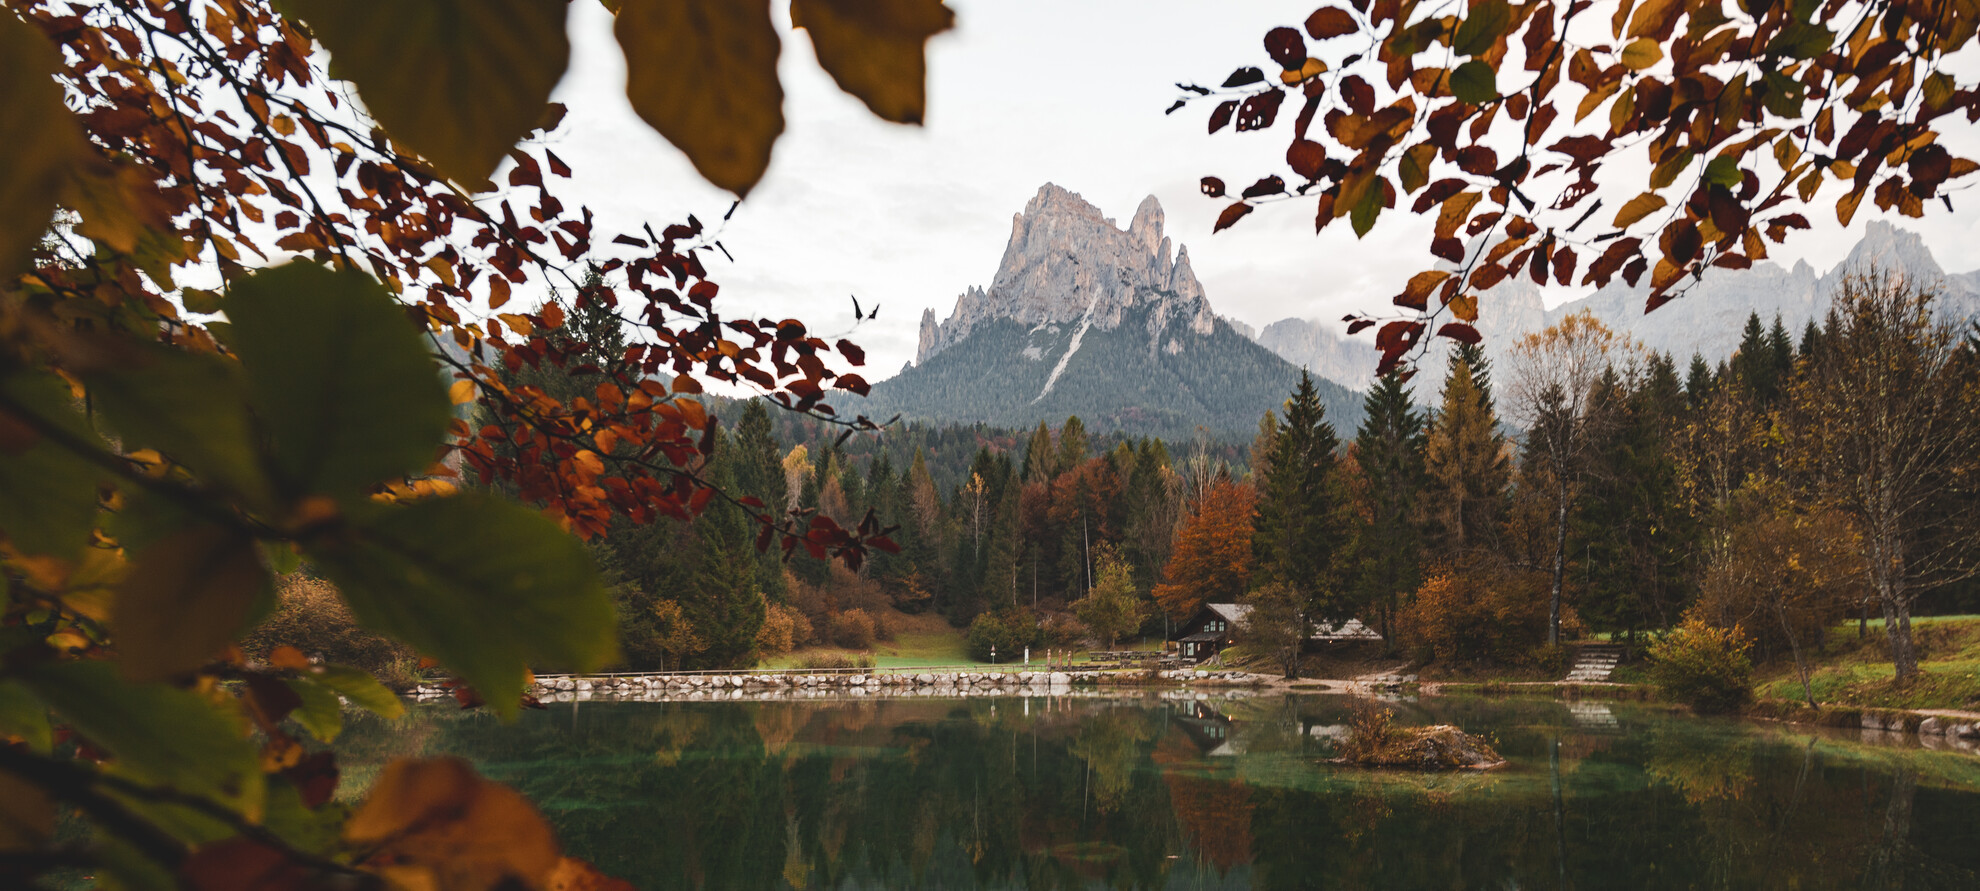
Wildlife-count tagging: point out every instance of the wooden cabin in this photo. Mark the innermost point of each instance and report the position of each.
(1215, 627)
(1208, 632)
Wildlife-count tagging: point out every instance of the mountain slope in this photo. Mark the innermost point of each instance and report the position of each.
(1707, 320)
(1084, 318)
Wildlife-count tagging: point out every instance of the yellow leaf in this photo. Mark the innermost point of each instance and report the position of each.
(41, 140)
(1642, 53)
(518, 322)
(461, 392)
(704, 74)
(1639, 207)
(459, 81)
(441, 268)
(1594, 99)
(1456, 210)
(498, 291)
(1465, 306)
(440, 822)
(1621, 109)
(1846, 206)
(873, 49)
(117, 203)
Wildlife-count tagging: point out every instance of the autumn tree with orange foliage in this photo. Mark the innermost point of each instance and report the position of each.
(1213, 553)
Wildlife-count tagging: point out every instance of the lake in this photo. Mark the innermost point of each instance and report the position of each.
(1173, 791)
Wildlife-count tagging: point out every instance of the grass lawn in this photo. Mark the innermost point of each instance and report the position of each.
(1858, 672)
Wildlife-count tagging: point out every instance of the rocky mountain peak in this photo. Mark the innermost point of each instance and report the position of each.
(1069, 264)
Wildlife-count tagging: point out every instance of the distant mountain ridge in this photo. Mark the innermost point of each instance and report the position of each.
(1706, 321)
(1087, 318)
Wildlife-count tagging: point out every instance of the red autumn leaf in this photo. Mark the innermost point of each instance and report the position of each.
(1329, 22)
(1270, 185)
(1230, 216)
(1306, 157)
(1260, 110)
(1286, 47)
(1213, 187)
(1221, 115)
(1460, 332)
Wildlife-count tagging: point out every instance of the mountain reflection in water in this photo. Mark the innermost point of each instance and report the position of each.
(1156, 792)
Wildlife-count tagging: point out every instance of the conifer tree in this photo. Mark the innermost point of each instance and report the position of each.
(1753, 364)
(1301, 522)
(760, 474)
(1389, 449)
(1781, 347)
(1811, 339)
(1465, 460)
(1073, 445)
(1040, 457)
(1698, 382)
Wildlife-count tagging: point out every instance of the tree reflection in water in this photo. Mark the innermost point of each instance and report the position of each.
(1161, 793)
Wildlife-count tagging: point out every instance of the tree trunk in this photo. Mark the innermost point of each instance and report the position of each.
(1897, 627)
(1560, 570)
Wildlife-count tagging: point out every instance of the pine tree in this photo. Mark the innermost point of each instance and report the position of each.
(1465, 459)
(1301, 520)
(1040, 458)
(1781, 348)
(1697, 382)
(1753, 364)
(1811, 339)
(760, 474)
(1389, 449)
(1073, 445)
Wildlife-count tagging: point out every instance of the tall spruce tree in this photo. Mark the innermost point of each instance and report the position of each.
(1697, 382)
(1301, 521)
(759, 470)
(1465, 460)
(1389, 449)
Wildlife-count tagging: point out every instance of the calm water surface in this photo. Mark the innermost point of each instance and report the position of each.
(1066, 792)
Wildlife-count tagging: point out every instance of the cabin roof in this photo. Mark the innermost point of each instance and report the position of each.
(1233, 611)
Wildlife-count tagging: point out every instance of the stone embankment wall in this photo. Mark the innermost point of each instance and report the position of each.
(662, 687)
(1934, 732)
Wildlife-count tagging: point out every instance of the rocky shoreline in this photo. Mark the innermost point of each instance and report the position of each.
(665, 687)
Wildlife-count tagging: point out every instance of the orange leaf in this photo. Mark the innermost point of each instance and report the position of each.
(437, 823)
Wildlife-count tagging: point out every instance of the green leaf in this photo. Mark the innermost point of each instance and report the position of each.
(1785, 95)
(704, 74)
(338, 377)
(24, 716)
(1801, 40)
(1367, 209)
(42, 141)
(1667, 172)
(47, 493)
(363, 690)
(187, 596)
(1483, 25)
(1475, 82)
(158, 734)
(321, 712)
(460, 81)
(1642, 53)
(190, 406)
(1723, 171)
(484, 585)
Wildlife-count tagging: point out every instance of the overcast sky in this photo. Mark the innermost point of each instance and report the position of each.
(1021, 93)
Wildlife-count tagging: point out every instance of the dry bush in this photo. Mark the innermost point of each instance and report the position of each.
(784, 629)
(853, 629)
(1373, 737)
(310, 616)
(1062, 630)
(1481, 613)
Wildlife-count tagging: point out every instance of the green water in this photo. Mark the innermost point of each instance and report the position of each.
(1162, 793)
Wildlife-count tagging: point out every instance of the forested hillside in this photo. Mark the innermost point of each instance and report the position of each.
(1115, 380)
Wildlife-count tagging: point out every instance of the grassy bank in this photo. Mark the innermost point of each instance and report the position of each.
(1857, 672)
